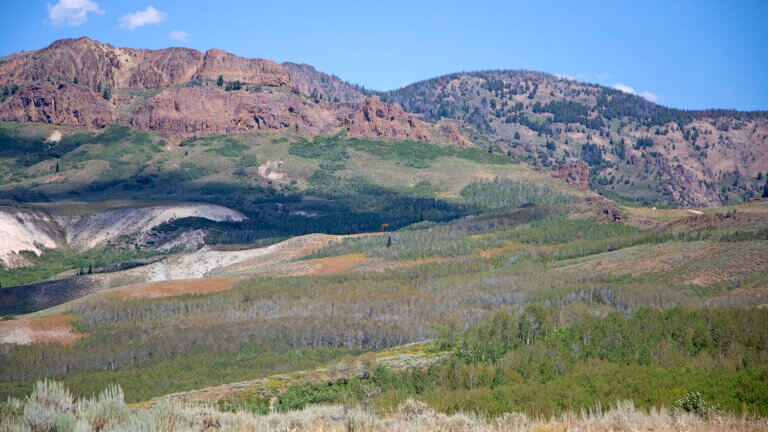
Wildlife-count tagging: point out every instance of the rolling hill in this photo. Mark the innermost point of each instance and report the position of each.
(202, 241)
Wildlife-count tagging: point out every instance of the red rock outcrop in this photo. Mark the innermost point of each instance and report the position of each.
(91, 62)
(193, 111)
(63, 104)
(681, 184)
(181, 113)
(374, 118)
(94, 64)
(452, 133)
(161, 68)
(575, 173)
(184, 112)
(250, 70)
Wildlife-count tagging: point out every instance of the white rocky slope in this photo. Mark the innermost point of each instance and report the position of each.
(25, 230)
(206, 263)
(35, 230)
(95, 229)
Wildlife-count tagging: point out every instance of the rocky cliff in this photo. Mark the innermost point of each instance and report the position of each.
(81, 82)
(187, 112)
(95, 64)
(63, 104)
(373, 118)
(575, 173)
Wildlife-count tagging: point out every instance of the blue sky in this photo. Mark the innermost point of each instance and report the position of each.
(684, 54)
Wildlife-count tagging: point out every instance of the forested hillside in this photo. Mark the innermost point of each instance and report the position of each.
(638, 151)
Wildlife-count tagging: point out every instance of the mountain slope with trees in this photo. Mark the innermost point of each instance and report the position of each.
(637, 150)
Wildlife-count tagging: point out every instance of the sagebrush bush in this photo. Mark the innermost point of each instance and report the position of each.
(172, 416)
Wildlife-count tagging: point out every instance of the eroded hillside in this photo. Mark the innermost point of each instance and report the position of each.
(181, 93)
(637, 150)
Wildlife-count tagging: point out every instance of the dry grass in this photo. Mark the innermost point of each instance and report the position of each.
(174, 288)
(53, 328)
(415, 416)
(332, 265)
(727, 261)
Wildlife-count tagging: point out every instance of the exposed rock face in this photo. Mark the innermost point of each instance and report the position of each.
(94, 229)
(575, 173)
(95, 64)
(682, 185)
(193, 111)
(604, 210)
(24, 230)
(187, 112)
(63, 104)
(377, 119)
(91, 62)
(252, 71)
(161, 68)
(184, 112)
(307, 80)
(452, 133)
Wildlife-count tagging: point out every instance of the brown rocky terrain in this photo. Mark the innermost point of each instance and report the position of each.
(62, 104)
(307, 80)
(575, 173)
(253, 71)
(374, 118)
(452, 133)
(192, 111)
(95, 64)
(63, 84)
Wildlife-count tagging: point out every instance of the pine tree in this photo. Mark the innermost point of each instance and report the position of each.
(57, 167)
(621, 149)
(389, 242)
(220, 81)
(765, 188)
(90, 269)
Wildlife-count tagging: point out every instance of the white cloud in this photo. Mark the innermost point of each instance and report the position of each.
(150, 15)
(603, 76)
(623, 87)
(649, 96)
(72, 12)
(577, 77)
(627, 89)
(179, 35)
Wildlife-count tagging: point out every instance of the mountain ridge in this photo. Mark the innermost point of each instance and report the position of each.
(637, 151)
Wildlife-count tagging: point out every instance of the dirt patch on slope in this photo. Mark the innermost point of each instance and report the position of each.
(336, 264)
(281, 252)
(174, 288)
(25, 331)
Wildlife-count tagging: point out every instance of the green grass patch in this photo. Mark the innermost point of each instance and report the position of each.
(55, 261)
